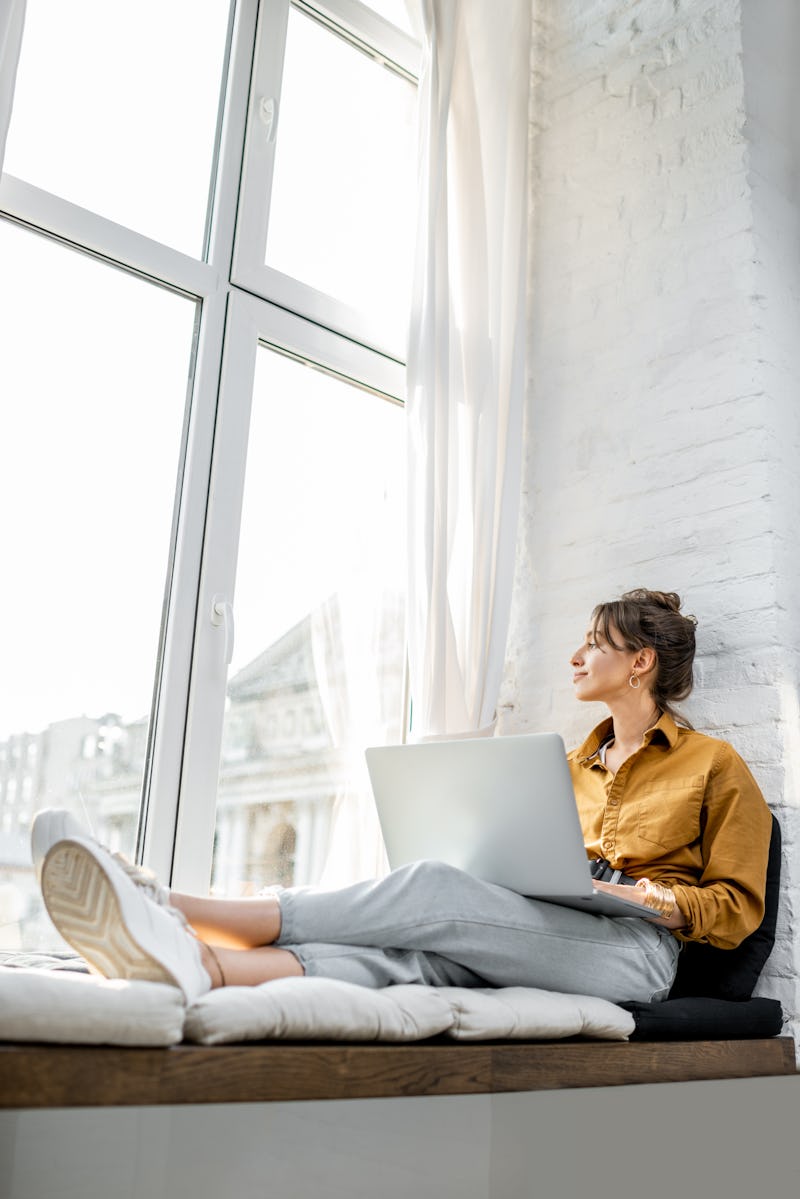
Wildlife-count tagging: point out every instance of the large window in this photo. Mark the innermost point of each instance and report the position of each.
(318, 664)
(95, 365)
(204, 302)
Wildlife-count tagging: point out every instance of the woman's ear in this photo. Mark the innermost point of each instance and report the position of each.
(645, 660)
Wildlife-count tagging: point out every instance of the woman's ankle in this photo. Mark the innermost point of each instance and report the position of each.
(212, 965)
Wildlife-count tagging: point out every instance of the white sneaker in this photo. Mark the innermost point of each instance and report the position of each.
(56, 824)
(111, 922)
(49, 827)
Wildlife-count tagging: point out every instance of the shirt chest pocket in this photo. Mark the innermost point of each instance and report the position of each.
(669, 812)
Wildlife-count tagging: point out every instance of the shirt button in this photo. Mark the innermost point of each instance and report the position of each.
(613, 803)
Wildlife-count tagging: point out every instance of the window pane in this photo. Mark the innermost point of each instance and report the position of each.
(95, 364)
(116, 107)
(318, 669)
(343, 195)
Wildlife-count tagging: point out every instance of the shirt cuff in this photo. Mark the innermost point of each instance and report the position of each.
(686, 933)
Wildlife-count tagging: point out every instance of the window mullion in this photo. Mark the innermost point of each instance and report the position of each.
(40, 210)
(165, 765)
(259, 152)
(234, 123)
(191, 867)
(169, 755)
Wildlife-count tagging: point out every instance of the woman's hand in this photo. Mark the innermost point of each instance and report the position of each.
(635, 895)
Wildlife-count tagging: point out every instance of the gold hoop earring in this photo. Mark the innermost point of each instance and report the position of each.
(634, 681)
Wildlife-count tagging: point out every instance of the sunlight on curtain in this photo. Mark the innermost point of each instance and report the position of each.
(466, 369)
(12, 20)
(356, 677)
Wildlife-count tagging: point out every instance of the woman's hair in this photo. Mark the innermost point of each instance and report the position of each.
(653, 618)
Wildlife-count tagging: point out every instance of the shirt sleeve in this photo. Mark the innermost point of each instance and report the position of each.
(728, 902)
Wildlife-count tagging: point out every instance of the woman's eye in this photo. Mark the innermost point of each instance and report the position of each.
(591, 645)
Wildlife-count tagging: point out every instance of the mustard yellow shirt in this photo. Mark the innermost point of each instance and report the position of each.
(685, 811)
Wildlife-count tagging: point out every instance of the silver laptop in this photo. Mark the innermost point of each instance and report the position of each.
(500, 808)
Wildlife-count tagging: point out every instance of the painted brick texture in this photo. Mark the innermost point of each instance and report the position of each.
(663, 427)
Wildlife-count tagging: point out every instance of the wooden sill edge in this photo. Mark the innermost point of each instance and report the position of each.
(57, 1076)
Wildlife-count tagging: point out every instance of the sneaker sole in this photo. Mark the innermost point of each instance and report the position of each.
(85, 909)
(49, 827)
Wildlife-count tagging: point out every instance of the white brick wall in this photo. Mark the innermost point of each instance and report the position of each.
(771, 45)
(663, 429)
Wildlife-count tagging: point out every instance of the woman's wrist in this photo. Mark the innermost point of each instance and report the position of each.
(658, 898)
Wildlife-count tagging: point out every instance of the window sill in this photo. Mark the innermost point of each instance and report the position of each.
(58, 1076)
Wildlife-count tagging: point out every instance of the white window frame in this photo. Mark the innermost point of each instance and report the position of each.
(176, 838)
(251, 322)
(366, 29)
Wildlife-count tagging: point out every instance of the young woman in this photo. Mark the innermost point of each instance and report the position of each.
(669, 807)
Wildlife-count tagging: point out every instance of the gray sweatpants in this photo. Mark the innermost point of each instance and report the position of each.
(431, 923)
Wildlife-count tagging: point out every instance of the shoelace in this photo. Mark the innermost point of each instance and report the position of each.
(147, 881)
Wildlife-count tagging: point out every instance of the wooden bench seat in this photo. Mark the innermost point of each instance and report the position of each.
(55, 1076)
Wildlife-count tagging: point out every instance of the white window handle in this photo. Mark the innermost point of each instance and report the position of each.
(222, 614)
(267, 114)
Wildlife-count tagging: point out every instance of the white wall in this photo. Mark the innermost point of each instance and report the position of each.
(706, 1138)
(771, 52)
(357, 1149)
(662, 436)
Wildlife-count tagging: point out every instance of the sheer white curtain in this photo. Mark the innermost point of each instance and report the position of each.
(357, 643)
(12, 19)
(466, 373)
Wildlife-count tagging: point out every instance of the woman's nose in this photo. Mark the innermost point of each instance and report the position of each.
(577, 657)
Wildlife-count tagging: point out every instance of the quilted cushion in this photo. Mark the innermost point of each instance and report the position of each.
(66, 1007)
(329, 1009)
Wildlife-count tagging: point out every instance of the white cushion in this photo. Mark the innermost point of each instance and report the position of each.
(326, 1009)
(318, 1009)
(526, 1012)
(81, 1009)
(58, 1006)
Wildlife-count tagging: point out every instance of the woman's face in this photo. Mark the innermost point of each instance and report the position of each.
(599, 670)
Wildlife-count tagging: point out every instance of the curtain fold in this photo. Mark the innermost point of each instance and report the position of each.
(466, 359)
(12, 20)
(357, 645)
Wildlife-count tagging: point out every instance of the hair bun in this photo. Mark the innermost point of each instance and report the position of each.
(667, 599)
(670, 601)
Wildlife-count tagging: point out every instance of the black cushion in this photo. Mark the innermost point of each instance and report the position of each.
(711, 999)
(733, 973)
(699, 1019)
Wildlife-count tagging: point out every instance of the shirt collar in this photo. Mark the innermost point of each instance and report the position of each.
(664, 729)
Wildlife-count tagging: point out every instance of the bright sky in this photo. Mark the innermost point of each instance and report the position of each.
(95, 363)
